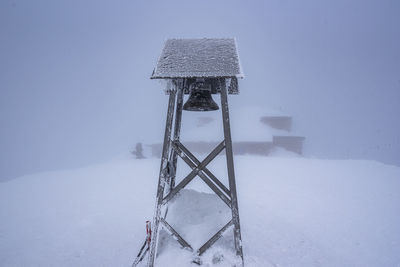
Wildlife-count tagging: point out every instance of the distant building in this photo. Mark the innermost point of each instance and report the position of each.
(255, 131)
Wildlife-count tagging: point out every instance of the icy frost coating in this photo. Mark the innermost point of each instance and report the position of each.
(198, 58)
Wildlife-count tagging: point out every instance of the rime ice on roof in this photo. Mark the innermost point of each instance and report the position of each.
(185, 58)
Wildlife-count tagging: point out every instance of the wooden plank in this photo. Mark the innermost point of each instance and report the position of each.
(231, 170)
(179, 238)
(177, 127)
(214, 238)
(161, 179)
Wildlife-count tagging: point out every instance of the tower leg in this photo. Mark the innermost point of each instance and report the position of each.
(162, 177)
(231, 171)
(177, 127)
(173, 158)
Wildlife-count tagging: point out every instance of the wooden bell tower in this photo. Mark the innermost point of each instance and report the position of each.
(200, 68)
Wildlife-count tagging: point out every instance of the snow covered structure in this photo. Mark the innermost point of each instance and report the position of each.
(200, 58)
(258, 131)
(199, 67)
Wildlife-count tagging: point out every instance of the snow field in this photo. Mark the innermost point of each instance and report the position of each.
(294, 212)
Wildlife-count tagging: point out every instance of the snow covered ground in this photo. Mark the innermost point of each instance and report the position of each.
(294, 212)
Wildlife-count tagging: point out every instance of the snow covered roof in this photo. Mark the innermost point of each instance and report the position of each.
(208, 58)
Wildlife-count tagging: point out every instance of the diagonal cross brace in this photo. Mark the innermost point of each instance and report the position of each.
(191, 160)
(205, 246)
(194, 172)
(214, 238)
(205, 170)
(175, 233)
(177, 146)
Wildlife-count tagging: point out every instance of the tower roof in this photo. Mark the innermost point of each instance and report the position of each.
(205, 58)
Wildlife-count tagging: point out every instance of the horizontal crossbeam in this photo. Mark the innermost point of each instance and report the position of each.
(176, 235)
(217, 191)
(194, 172)
(214, 238)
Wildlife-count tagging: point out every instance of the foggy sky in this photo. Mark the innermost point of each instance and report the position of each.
(75, 87)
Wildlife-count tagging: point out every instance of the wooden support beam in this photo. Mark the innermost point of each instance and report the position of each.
(231, 170)
(175, 233)
(180, 83)
(161, 179)
(214, 238)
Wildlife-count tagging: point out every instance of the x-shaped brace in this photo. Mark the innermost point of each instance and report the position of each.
(194, 163)
(195, 170)
(200, 169)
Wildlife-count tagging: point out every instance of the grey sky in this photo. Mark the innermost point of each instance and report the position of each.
(75, 87)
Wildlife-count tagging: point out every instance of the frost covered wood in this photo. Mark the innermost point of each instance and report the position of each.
(207, 58)
(183, 62)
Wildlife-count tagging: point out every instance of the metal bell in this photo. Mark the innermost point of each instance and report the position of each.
(200, 98)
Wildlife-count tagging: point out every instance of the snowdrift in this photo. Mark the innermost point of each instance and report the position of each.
(294, 212)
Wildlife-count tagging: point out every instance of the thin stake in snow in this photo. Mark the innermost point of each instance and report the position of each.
(142, 252)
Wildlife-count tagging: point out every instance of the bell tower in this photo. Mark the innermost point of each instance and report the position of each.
(199, 68)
